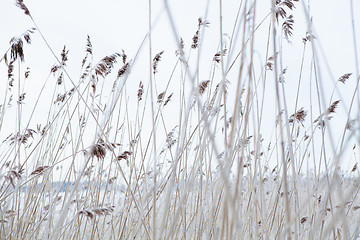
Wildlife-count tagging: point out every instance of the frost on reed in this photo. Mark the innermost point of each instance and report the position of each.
(233, 153)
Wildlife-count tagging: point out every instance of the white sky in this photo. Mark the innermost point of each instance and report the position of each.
(114, 25)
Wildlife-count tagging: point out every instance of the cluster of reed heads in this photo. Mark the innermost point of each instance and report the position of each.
(180, 155)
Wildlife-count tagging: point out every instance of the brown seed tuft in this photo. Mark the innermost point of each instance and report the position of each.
(168, 99)
(103, 211)
(91, 213)
(160, 97)
(196, 36)
(354, 168)
(299, 116)
(22, 137)
(309, 37)
(39, 170)
(356, 208)
(21, 98)
(111, 180)
(217, 56)
(280, 11)
(55, 68)
(344, 77)
(140, 91)
(123, 56)
(123, 70)
(325, 116)
(303, 220)
(99, 149)
(124, 156)
(86, 213)
(287, 27)
(156, 60)
(203, 85)
(105, 66)
(64, 56)
(20, 4)
(88, 45)
(10, 72)
(332, 107)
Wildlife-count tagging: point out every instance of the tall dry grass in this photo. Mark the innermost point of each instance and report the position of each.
(233, 155)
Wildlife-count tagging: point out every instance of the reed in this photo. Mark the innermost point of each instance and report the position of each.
(219, 147)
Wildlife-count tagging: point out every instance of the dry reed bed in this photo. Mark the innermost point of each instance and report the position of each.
(113, 163)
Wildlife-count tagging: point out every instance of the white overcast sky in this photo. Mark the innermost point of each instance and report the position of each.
(114, 25)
